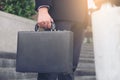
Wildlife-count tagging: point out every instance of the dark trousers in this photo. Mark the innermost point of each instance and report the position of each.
(77, 29)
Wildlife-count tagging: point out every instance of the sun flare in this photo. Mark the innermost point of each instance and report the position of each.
(91, 4)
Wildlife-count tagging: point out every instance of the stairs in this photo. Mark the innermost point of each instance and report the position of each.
(86, 66)
(7, 68)
(85, 70)
(9, 27)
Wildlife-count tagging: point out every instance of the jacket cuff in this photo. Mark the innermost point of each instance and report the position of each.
(44, 3)
(47, 6)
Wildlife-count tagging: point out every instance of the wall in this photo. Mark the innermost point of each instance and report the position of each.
(9, 27)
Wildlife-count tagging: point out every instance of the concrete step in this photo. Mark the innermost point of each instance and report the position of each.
(25, 79)
(89, 50)
(7, 63)
(10, 73)
(8, 55)
(87, 47)
(13, 55)
(86, 50)
(88, 67)
(85, 78)
(76, 78)
(87, 53)
(10, 63)
(84, 73)
(86, 60)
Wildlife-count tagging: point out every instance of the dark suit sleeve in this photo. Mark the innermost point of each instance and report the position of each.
(42, 2)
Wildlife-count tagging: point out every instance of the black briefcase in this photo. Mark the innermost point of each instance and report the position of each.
(45, 51)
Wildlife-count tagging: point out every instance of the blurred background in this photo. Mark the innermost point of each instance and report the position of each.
(17, 15)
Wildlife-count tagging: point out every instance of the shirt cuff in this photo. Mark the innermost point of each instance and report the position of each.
(47, 6)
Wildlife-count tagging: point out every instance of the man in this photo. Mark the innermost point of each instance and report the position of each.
(67, 15)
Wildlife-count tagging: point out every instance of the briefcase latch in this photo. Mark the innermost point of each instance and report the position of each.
(53, 27)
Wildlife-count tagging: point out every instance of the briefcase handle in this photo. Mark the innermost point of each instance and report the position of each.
(53, 27)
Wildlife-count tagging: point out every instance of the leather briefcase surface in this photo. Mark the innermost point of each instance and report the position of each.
(45, 51)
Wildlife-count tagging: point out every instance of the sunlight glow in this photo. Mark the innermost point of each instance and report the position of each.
(91, 4)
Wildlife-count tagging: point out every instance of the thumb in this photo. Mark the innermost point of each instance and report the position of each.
(52, 20)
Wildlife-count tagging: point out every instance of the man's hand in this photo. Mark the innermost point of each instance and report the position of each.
(44, 19)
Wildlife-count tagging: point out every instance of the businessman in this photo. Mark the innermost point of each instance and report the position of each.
(68, 15)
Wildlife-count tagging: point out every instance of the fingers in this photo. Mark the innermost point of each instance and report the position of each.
(51, 20)
(45, 24)
(44, 20)
(49, 25)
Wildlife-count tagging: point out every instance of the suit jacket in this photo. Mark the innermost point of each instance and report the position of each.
(71, 10)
